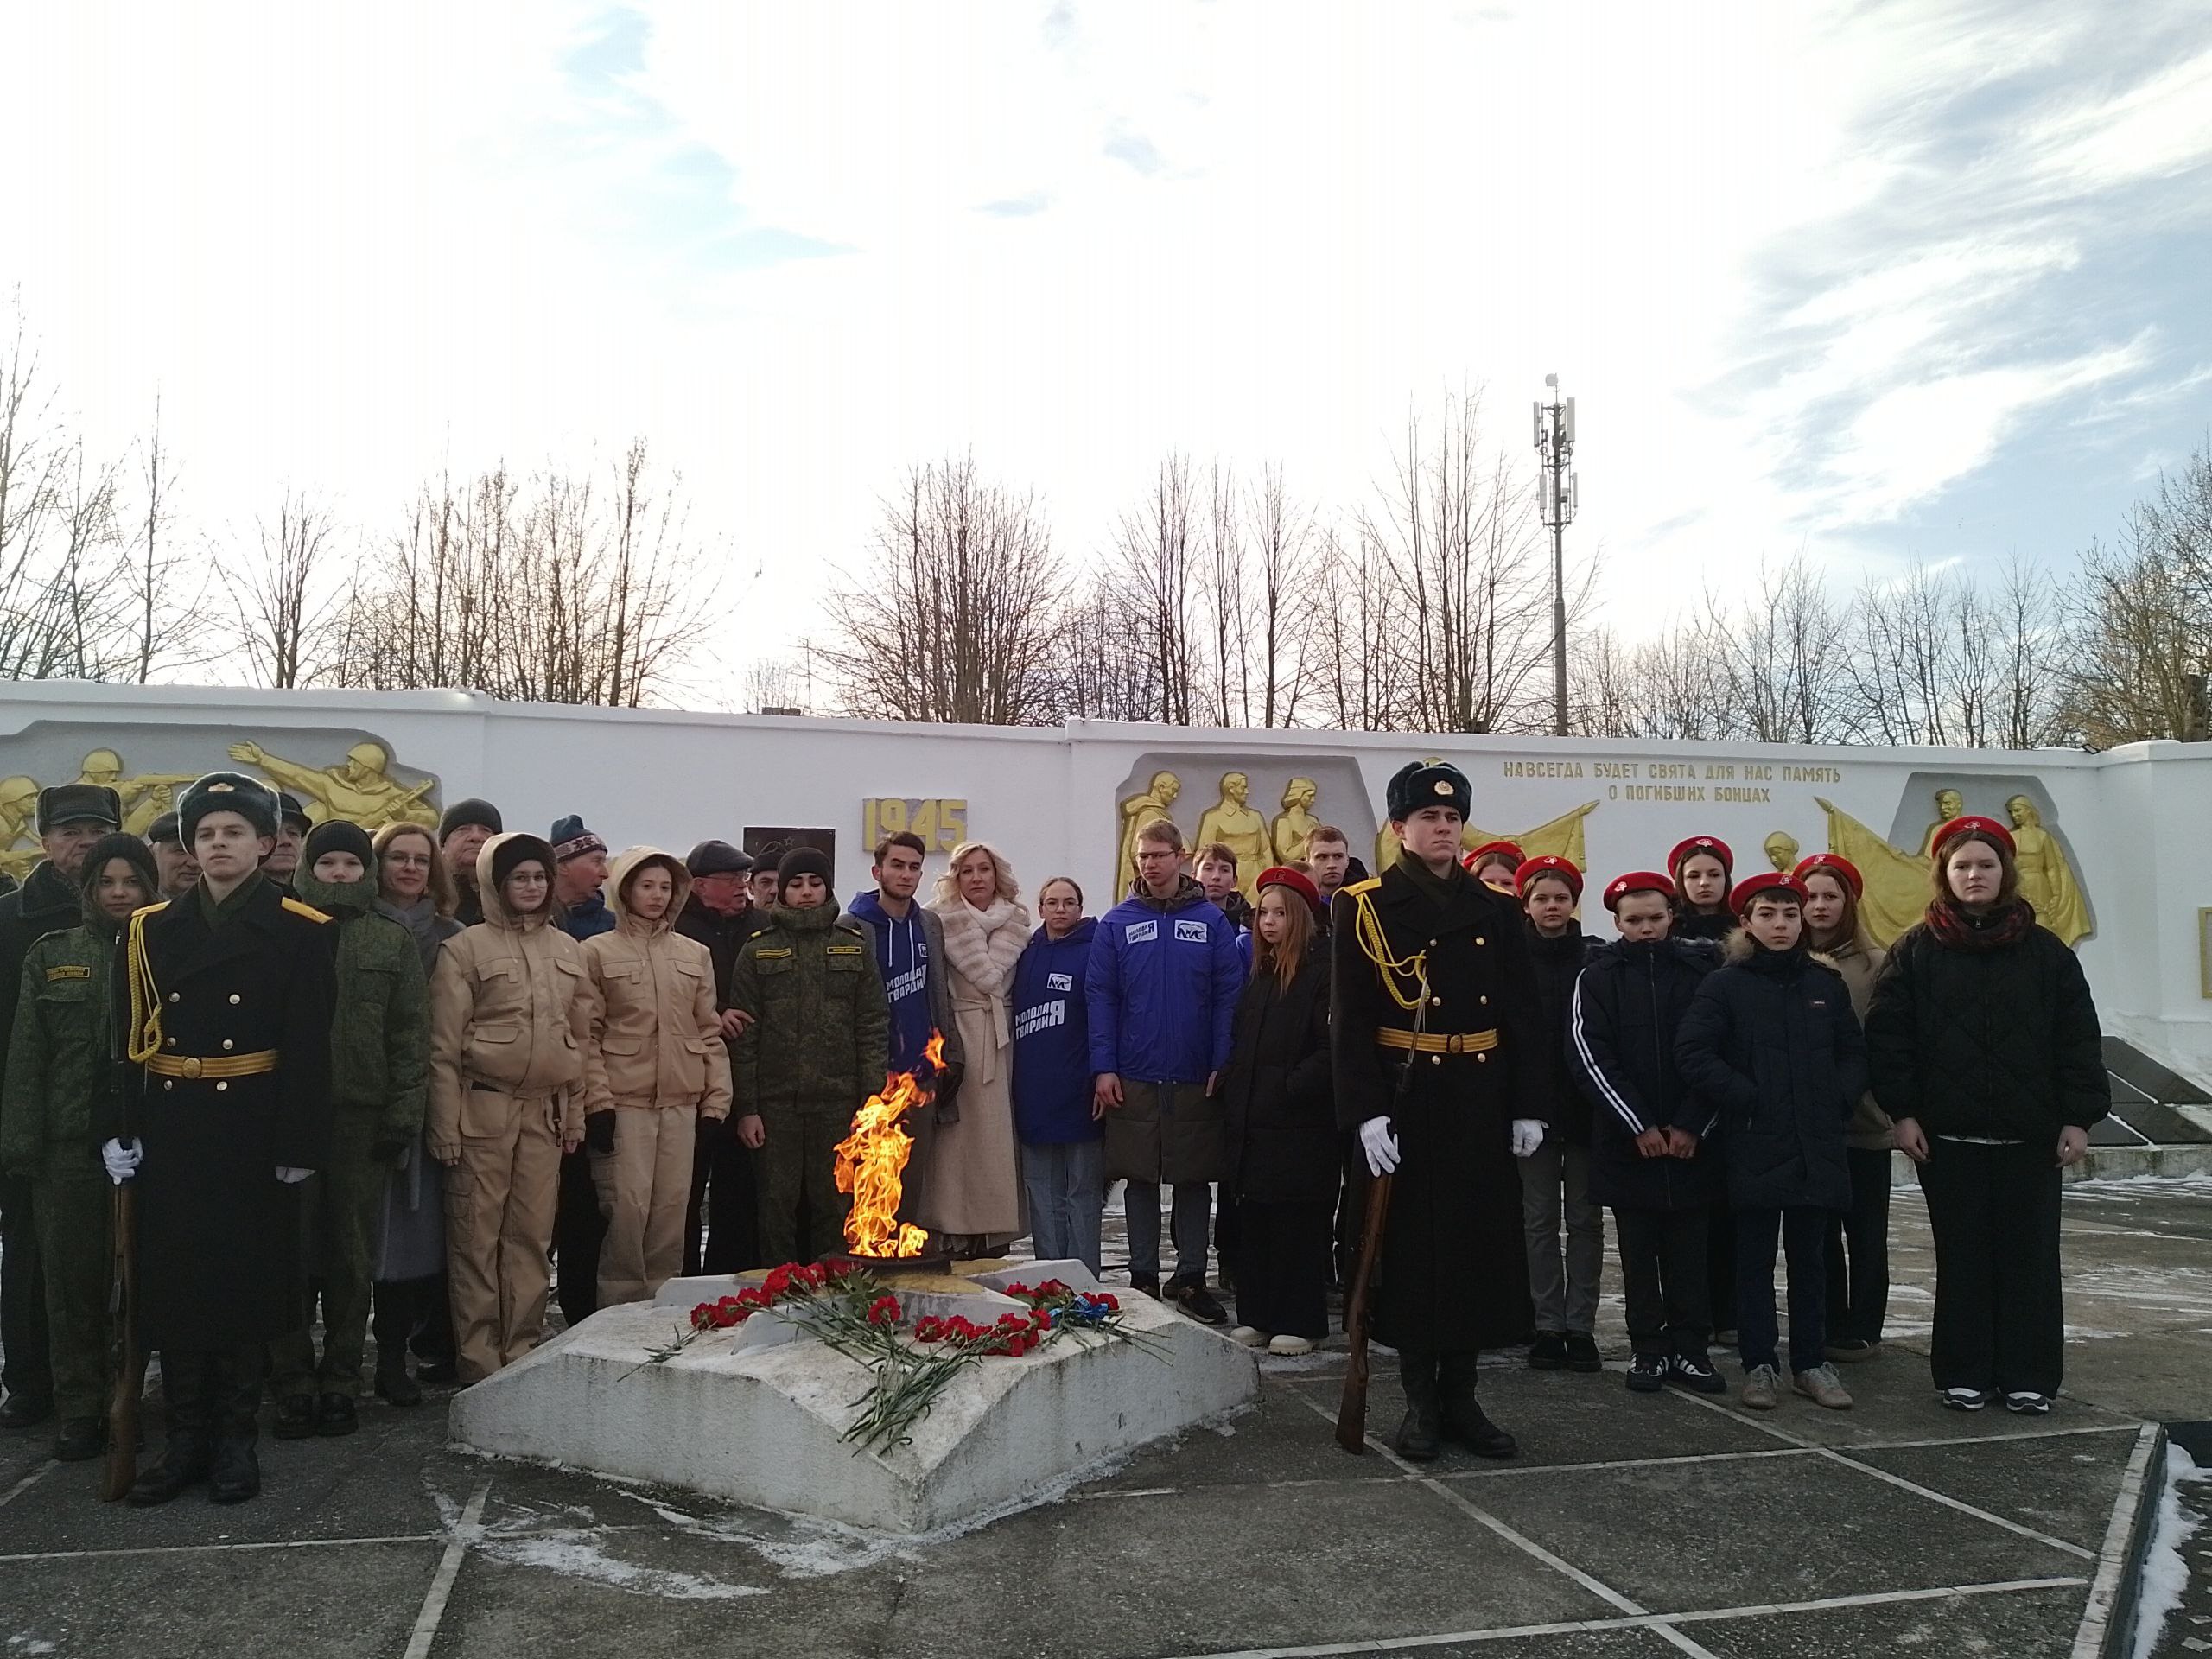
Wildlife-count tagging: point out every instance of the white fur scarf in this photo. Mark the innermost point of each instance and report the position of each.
(985, 945)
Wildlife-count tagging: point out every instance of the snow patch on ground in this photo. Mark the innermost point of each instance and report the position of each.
(2165, 1574)
(2103, 1186)
(28, 1644)
(803, 1547)
(576, 1554)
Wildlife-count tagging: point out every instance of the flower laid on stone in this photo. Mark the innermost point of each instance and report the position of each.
(849, 1310)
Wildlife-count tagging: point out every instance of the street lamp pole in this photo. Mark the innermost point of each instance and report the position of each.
(1556, 497)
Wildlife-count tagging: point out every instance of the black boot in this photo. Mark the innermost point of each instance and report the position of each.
(1421, 1436)
(187, 1402)
(394, 1317)
(235, 1473)
(1463, 1420)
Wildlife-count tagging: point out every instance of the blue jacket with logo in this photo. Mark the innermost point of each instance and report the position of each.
(1165, 977)
(1051, 1039)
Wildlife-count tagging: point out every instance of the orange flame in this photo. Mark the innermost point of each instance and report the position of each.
(873, 1158)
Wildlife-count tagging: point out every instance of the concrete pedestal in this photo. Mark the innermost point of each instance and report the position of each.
(743, 1415)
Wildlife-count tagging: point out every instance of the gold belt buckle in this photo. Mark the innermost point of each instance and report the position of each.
(192, 1065)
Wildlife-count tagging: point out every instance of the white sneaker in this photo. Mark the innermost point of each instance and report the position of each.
(1290, 1345)
(1250, 1336)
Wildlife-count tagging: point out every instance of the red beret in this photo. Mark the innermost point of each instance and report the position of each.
(1549, 864)
(1838, 865)
(1778, 883)
(1637, 881)
(1489, 848)
(1281, 876)
(1971, 825)
(1712, 844)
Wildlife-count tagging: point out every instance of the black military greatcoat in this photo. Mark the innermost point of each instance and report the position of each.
(1453, 1273)
(218, 1234)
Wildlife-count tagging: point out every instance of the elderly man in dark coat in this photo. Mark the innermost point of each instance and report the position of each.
(1437, 1045)
(228, 994)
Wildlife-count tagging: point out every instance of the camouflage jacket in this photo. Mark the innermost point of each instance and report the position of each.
(61, 1060)
(820, 1035)
(380, 1037)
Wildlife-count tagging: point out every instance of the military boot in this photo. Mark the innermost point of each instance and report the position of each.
(187, 1402)
(394, 1317)
(1463, 1419)
(1421, 1436)
(235, 1474)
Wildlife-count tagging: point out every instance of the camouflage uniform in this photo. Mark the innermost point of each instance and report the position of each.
(815, 1049)
(60, 1060)
(379, 1065)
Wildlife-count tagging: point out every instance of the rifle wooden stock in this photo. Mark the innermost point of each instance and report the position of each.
(130, 1365)
(1351, 1414)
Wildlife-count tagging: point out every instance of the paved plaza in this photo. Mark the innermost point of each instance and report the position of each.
(1630, 1526)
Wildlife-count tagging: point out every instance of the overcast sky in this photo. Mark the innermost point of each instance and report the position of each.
(1880, 280)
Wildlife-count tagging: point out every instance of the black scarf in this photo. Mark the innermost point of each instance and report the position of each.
(2003, 926)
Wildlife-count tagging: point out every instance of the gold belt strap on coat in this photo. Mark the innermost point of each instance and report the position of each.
(1436, 1042)
(219, 1065)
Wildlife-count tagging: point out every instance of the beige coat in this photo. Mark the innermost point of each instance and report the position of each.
(1861, 963)
(658, 1033)
(512, 1004)
(974, 1184)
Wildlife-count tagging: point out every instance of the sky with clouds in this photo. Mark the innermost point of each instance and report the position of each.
(1922, 279)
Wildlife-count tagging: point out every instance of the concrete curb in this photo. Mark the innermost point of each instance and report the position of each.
(2107, 1627)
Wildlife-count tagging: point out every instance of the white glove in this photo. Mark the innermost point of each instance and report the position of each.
(1527, 1135)
(121, 1160)
(292, 1176)
(1380, 1144)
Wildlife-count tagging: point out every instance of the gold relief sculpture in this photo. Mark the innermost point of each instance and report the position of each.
(1559, 837)
(1949, 804)
(1233, 822)
(18, 822)
(1290, 831)
(2046, 880)
(357, 791)
(144, 798)
(1156, 802)
(1781, 849)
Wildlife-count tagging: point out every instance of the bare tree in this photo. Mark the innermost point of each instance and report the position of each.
(287, 602)
(1153, 544)
(774, 682)
(955, 619)
(1282, 542)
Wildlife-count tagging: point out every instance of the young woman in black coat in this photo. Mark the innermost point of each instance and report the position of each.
(1283, 1145)
(1983, 1045)
(1555, 1170)
(1702, 868)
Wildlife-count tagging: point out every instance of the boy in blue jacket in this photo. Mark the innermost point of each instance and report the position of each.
(1771, 1040)
(1165, 977)
(1650, 1156)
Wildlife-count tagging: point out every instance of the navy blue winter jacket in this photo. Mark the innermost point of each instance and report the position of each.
(1051, 1039)
(1165, 977)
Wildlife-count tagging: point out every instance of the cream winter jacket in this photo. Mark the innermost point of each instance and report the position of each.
(1860, 963)
(984, 946)
(658, 1032)
(511, 1006)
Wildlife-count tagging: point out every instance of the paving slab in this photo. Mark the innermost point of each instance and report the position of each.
(2013, 1624)
(1746, 1532)
(275, 1604)
(2064, 1485)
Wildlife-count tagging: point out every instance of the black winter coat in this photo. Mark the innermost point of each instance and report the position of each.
(1694, 924)
(1283, 1144)
(2002, 1043)
(1558, 964)
(1772, 1041)
(1626, 1009)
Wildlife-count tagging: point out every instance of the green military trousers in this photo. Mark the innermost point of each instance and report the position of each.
(73, 1208)
(797, 1168)
(338, 1214)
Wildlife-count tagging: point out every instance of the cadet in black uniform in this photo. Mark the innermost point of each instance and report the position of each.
(226, 1108)
(1438, 1049)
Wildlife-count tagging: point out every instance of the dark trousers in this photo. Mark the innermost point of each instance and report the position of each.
(1720, 1264)
(402, 1306)
(1280, 1261)
(726, 1196)
(1802, 1233)
(577, 1229)
(1859, 1253)
(432, 1337)
(28, 1362)
(1663, 1276)
(1188, 1223)
(2000, 1319)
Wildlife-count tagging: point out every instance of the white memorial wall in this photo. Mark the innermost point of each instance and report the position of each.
(2116, 842)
